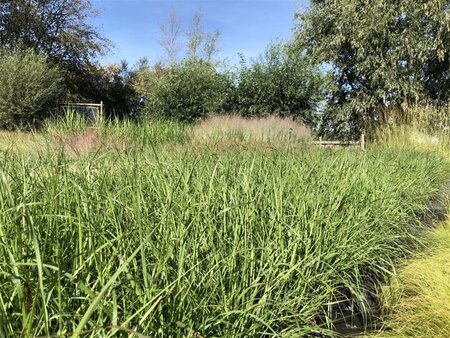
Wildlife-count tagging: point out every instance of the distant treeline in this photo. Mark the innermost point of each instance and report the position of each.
(345, 64)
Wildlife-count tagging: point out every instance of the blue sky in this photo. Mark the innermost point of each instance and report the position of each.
(246, 26)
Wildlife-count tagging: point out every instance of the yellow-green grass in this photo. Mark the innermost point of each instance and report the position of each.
(16, 141)
(415, 127)
(418, 299)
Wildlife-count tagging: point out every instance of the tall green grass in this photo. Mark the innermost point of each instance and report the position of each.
(218, 243)
(70, 122)
(136, 133)
(144, 133)
(416, 299)
(415, 127)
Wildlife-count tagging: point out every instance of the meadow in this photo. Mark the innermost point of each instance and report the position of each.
(162, 230)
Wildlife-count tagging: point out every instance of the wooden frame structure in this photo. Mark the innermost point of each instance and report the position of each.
(87, 109)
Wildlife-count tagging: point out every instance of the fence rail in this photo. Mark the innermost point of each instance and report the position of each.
(361, 143)
(90, 110)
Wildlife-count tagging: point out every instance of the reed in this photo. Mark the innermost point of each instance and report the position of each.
(162, 241)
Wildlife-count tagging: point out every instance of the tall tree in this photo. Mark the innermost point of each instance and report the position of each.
(58, 28)
(201, 44)
(381, 52)
(170, 35)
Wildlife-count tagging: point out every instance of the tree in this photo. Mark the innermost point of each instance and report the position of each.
(201, 44)
(382, 53)
(29, 86)
(146, 81)
(169, 41)
(58, 28)
(190, 89)
(115, 83)
(283, 83)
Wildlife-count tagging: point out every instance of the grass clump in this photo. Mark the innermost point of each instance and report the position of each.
(74, 134)
(418, 298)
(415, 127)
(70, 123)
(145, 133)
(218, 243)
(261, 132)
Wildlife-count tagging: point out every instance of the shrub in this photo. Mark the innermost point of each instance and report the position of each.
(188, 91)
(114, 86)
(29, 85)
(283, 83)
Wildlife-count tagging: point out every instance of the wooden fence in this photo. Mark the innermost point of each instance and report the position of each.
(92, 111)
(360, 144)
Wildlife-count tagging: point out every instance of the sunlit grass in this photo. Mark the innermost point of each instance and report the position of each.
(73, 134)
(212, 243)
(119, 228)
(422, 128)
(232, 131)
(418, 299)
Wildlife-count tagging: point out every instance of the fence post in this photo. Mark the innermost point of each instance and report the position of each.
(362, 141)
(101, 109)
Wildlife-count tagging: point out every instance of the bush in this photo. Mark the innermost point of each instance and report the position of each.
(188, 91)
(283, 83)
(114, 88)
(29, 85)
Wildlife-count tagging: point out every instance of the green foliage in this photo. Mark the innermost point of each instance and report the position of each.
(115, 89)
(281, 83)
(188, 91)
(147, 79)
(62, 30)
(28, 86)
(382, 53)
(170, 243)
(201, 45)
